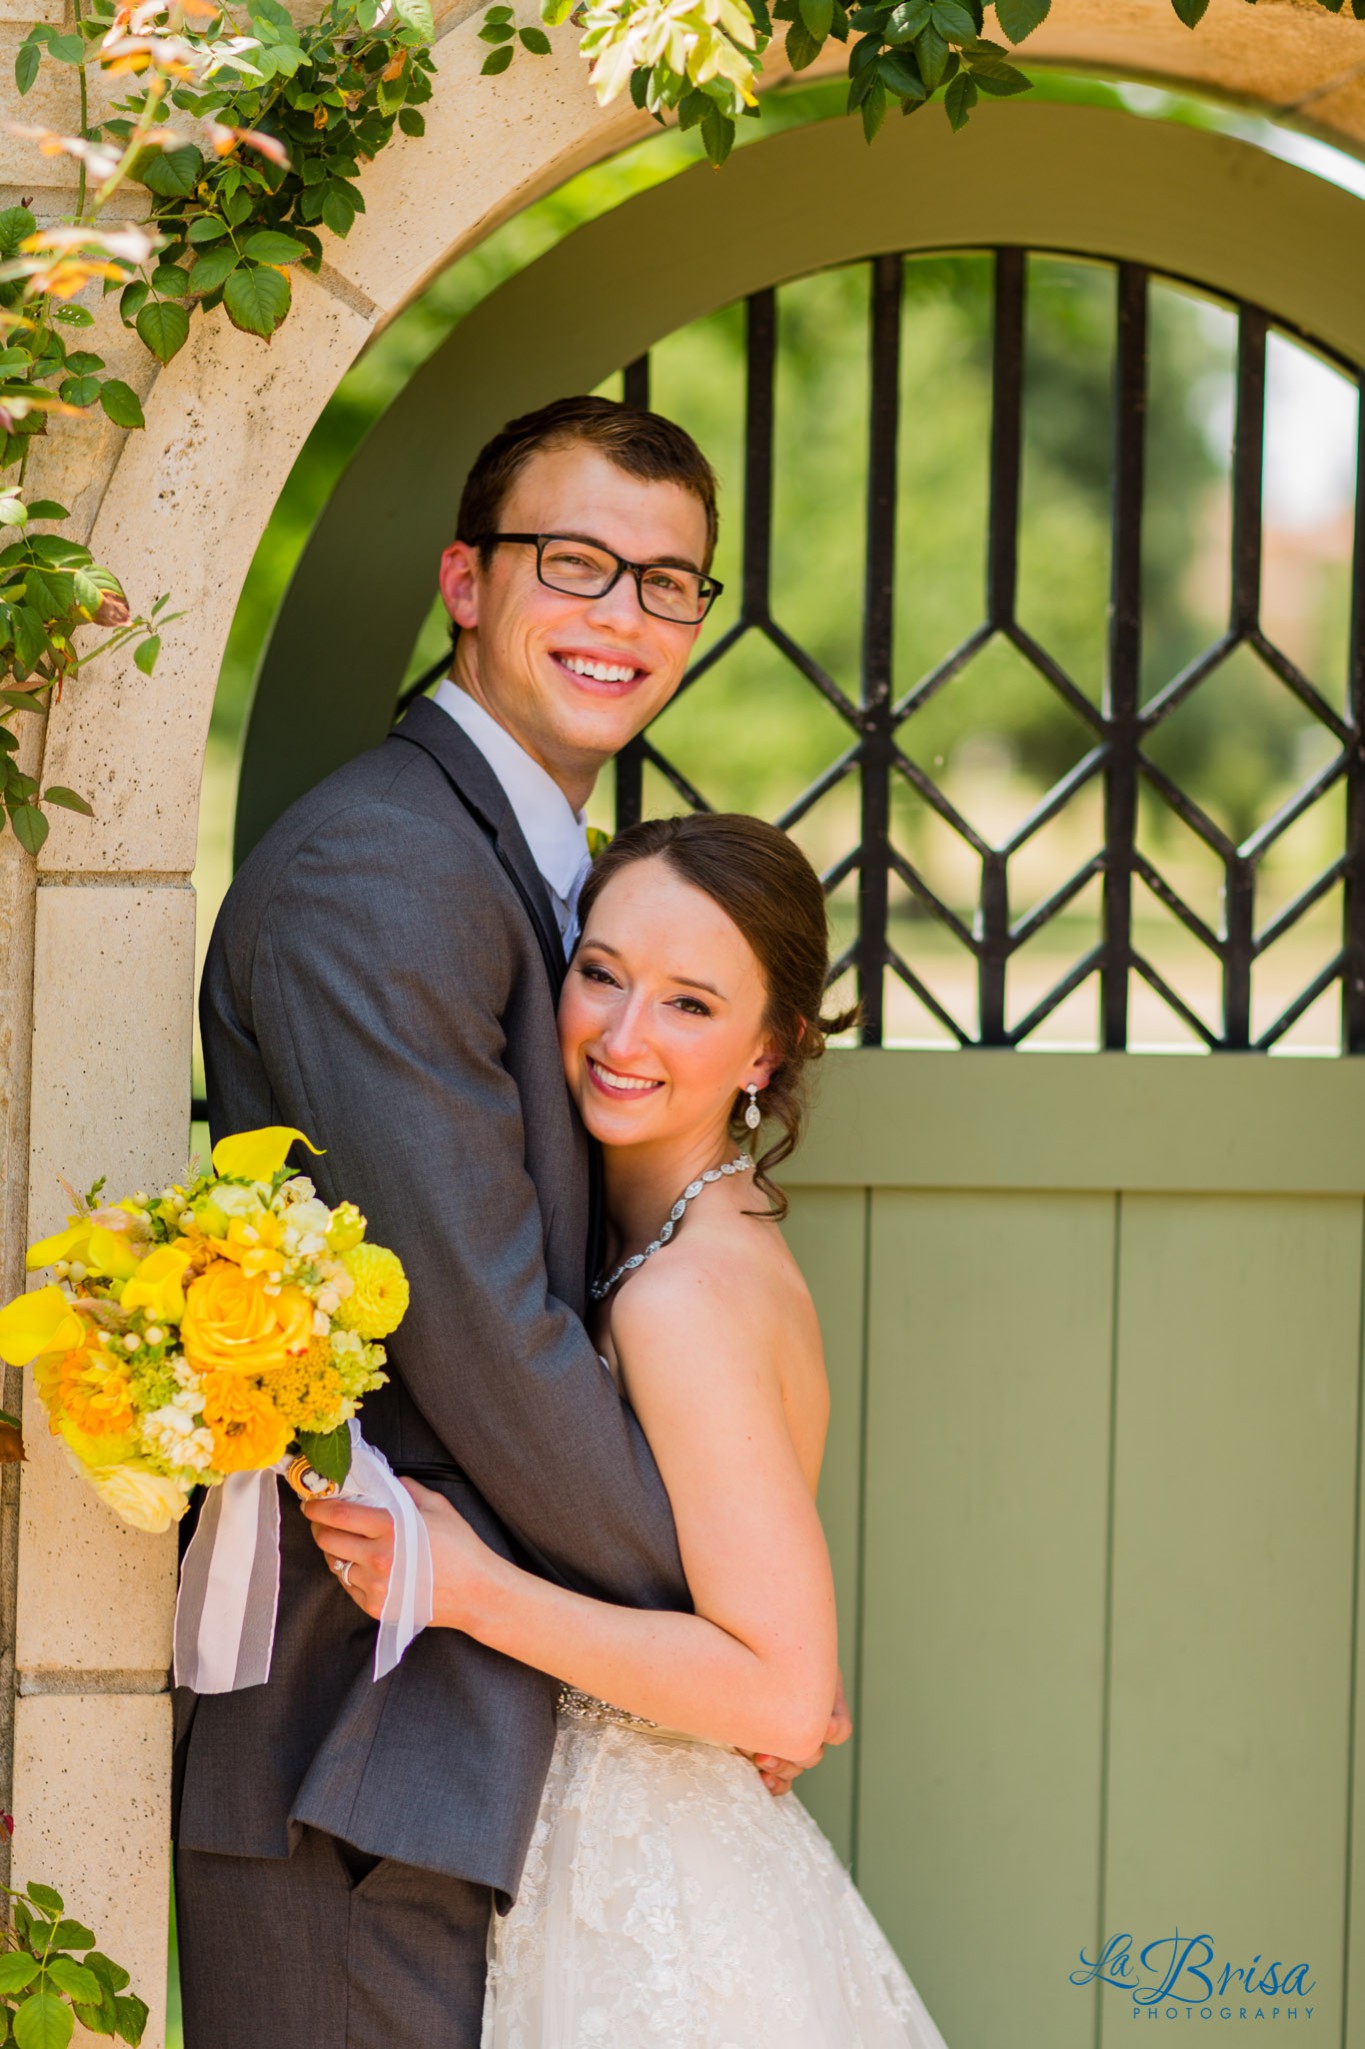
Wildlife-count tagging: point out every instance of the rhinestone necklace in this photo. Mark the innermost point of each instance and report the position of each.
(740, 1165)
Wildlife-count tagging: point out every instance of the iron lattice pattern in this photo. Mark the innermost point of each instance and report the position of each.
(881, 725)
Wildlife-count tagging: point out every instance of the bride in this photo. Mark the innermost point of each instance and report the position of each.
(667, 1898)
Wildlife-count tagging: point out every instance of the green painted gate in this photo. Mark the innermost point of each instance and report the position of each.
(1094, 1330)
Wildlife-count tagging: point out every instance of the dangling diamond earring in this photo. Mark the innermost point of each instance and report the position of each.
(753, 1116)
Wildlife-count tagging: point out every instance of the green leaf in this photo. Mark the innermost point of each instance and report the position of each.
(124, 408)
(75, 316)
(417, 15)
(817, 16)
(44, 2021)
(146, 652)
(931, 55)
(79, 391)
(257, 300)
(953, 21)
(17, 1971)
(1000, 80)
(16, 225)
(874, 108)
(536, 41)
(411, 122)
(43, 1896)
(1019, 18)
(66, 49)
(73, 1935)
(497, 32)
(132, 2017)
(907, 21)
(327, 1452)
(30, 829)
(207, 227)
(81, 362)
(170, 281)
(717, 134)
(267, 245)
(172, 173)
(132, 299)
(26, 65)
(553, 12)
(69, 800)
(47, 508)
(960, 98)
(493, 63)
(801, 46)
(106, 1970)
(164, 326)
(13, 512)
(898, 73)
(98, 2019)
(23, 700)
(338, 211)
(1191, 12)
(212, 269)
(69, 1977)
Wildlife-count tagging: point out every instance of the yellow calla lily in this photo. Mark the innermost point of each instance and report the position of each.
(257, 1155)
(111, 1253)
(157, 1286)
(41, 1322)
(67, 1244)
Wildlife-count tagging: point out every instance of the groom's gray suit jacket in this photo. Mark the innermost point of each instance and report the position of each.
(383, 976)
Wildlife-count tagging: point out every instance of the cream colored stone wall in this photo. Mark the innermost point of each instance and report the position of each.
(96, 959)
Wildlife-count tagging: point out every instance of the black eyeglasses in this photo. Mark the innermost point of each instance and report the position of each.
(584, 569)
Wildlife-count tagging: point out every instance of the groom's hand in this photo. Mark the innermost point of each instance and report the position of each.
(779, 1774)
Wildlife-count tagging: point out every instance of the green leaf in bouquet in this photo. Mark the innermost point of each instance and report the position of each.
(17, 1971)
(44, 2021)
(327, 1452)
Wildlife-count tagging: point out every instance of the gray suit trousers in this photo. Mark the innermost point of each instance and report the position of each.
(364, 1952)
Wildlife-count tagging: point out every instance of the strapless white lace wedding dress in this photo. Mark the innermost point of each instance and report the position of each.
(670, 1902)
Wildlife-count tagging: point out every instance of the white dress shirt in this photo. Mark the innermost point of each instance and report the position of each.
(556, 834)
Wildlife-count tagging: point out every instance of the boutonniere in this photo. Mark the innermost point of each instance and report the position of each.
(598, 841)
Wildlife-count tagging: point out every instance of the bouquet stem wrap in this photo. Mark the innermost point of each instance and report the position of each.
(230, 1580)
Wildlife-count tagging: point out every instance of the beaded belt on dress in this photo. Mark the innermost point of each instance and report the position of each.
(589, 1709)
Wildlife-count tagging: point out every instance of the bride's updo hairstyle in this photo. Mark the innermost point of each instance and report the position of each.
(767, 887)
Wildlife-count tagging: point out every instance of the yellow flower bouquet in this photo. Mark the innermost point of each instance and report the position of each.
(208, 1330)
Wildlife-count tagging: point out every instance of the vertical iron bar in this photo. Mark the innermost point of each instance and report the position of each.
(878, 617)
(758, 457)
(1248, 469)
(1002, 591)
(630, 762)
(1122, 682)
(1353, 940)
(1248, 466)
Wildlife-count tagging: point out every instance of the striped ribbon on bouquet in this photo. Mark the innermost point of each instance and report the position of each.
(229, 1597)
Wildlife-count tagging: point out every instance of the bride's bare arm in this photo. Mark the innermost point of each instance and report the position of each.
(756, 1664)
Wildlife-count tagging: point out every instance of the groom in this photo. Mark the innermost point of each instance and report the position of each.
(383, 975)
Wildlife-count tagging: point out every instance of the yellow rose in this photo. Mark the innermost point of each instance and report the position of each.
(158, 1285)
(379, 1301)
(41, 1322)
(248, 1430)
(149, 1501)
(231, 1325)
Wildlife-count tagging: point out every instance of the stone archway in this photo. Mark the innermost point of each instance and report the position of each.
(96, 948)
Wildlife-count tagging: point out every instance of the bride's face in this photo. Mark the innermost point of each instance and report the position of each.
(661, 1020)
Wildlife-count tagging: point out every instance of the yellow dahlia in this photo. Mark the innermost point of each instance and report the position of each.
(380, 1298)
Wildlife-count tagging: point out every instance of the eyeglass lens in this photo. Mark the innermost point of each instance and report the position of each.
(580, 570)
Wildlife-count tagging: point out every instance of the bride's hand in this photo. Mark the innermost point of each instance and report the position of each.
(348, 1533)
(780, 1773)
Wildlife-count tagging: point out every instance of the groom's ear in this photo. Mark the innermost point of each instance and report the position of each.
(459, 583)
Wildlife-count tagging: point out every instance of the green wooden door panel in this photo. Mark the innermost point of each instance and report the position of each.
(827, 1231)
(1234, 1518)
(988, 1416)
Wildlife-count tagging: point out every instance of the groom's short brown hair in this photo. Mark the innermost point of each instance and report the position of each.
(643, 444)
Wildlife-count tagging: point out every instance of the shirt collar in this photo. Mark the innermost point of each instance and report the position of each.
(556, 834)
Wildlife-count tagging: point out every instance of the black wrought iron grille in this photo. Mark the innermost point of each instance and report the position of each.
(881, 724)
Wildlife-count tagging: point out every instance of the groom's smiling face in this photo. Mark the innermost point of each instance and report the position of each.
(573, 678)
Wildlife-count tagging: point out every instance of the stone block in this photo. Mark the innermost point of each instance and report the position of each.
(113, 992)
(92, 1818)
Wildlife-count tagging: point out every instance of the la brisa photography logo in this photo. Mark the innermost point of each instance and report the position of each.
(1180, 1978)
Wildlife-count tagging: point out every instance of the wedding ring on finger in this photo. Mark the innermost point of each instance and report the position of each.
(342, 1568)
